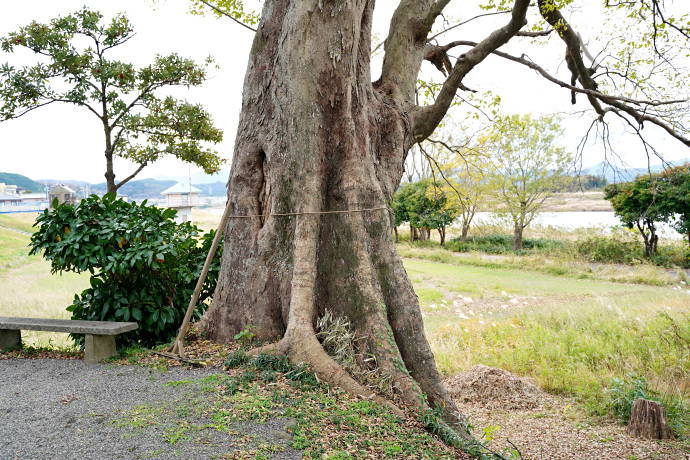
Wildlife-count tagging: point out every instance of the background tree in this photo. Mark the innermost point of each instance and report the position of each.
(469, 183)
(144, 267)
(529, 164)
(675, 198)
(426, 207)
(319, 153)
(400, 207)
(139, 124)
(638, 204)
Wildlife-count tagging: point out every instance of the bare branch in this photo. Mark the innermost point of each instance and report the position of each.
(426, 119)
(522, 60)
(131, 176)
(465, 22)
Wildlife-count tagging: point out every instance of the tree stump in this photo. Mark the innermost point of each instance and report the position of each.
(648, 420)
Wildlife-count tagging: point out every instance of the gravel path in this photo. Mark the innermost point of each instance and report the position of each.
(66, 409)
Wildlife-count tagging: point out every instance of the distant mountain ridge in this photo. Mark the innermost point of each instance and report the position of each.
(151, 188)
(619, 174)
(21, 181)
(199, 178)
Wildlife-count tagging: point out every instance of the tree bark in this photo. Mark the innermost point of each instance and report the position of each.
(395, 230)
(648, 420)
(517, 237)
(465, 231)
(319, 153)
(442, 235)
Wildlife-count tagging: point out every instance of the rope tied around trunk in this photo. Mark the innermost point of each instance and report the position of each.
(344, 211)
(176, 351)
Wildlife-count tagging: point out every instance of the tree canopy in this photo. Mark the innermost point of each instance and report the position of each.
(651, 199)
(530, 166)
(139, 123)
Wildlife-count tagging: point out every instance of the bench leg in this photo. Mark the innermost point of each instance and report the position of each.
(10, 338)
(98, 347)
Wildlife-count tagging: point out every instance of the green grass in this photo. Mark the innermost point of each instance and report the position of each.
(548, 264)
(574, 337)
(29, 290)
(19, 221)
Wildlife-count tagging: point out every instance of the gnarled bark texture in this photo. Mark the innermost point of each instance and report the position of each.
(316, 136)
(319, 152)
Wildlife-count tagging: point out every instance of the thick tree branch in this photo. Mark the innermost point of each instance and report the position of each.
(539, 33)
(573, 48)
(405, 47)
(426, 119)
(572, 41)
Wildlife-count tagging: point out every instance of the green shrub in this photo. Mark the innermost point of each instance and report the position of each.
(502, 244)
(624, 392)
(143, 266)
(610, 249)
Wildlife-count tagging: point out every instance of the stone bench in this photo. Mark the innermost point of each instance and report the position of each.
(99, 341)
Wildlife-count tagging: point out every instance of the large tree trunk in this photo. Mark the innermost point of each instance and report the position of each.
(319, 152)
(316, 138)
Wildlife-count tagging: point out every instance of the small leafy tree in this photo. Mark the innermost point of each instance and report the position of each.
(143, 266)
(675, 198)
(138, 124)
(425, 206)
(471, 186)
(638, 205)
(530, 166)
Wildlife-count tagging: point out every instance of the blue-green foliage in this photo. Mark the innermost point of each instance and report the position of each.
(144, 267)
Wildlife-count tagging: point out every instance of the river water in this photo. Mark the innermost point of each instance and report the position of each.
(579, 219)
(570, 220)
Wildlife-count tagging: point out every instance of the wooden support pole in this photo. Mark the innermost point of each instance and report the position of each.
(178, 345)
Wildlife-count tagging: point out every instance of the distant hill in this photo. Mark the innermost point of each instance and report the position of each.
(139, 190)
(212, 189)
(146, 189)
(618, 174)
(199, 178)
(69, 182)
(21, 181)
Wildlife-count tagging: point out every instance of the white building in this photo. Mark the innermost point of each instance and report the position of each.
(182, 197)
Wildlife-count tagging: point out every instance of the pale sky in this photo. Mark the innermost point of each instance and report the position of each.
(65, 142)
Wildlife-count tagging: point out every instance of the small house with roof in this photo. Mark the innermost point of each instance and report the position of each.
(182, 197)
(63, 193)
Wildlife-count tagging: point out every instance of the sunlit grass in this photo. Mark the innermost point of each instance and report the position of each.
(205, 220)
